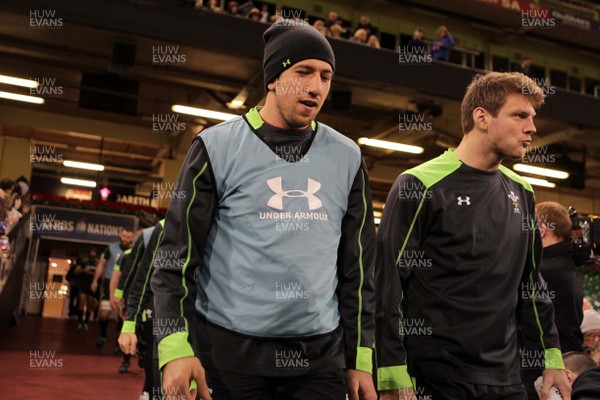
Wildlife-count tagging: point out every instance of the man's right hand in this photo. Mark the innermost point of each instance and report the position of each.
(128, 343)
(116, 303)
(94, 286)
(397, 394)
(177, 376)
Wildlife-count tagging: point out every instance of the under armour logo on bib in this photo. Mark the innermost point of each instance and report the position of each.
(466, 200)
(276, 201)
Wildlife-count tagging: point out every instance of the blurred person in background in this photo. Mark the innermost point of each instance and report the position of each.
(440, 50)
(108, 259)
(254, 14)
(9, 216)
(561, 273)
(233, 8)
(365, 23)
(84, 275)
(563, 282)
(332, 19)
(577, 363)
(11, 196)
(7, 185)
(590, 327)
(359, 37)
(416, 43)
(24, 194)
(74, 261)
(373, 41)
(595, 353)
(214, 6)
(140, 309)
(320, 26)
(336, 31)
(525, 66)
(264, 14)
(587, 385)
(4, 228)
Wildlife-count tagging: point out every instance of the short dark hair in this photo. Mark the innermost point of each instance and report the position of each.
(578, 362)
(22, 179)
(146, 220)
(6, 184)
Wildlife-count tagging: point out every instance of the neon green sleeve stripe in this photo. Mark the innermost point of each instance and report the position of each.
(189, 244)
(148, 275)
(364, 359)
(553, 359)
(412, 225)
(389, 378)
(128, 327)
(176, 344)
(532, 283)
(173, 347)
(117, 267)
(359, 356)
(133, 266)
(118, 293)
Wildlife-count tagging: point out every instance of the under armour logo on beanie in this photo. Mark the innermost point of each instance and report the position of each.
(286, 44)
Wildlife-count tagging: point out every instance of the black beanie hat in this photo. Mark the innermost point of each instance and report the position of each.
(287, 42)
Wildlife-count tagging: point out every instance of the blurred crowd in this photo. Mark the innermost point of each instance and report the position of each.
(14, 202)
(364, 33)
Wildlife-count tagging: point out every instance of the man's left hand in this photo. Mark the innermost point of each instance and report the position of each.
(360, 385)
(557, 378)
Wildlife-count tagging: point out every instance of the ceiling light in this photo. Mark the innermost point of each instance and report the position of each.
(236, 103)
(78, 182)
(531, 169)
(539, 182)
(200, 112)
(83, 165)
(11, 80)
(21, 97)
(407, 148)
